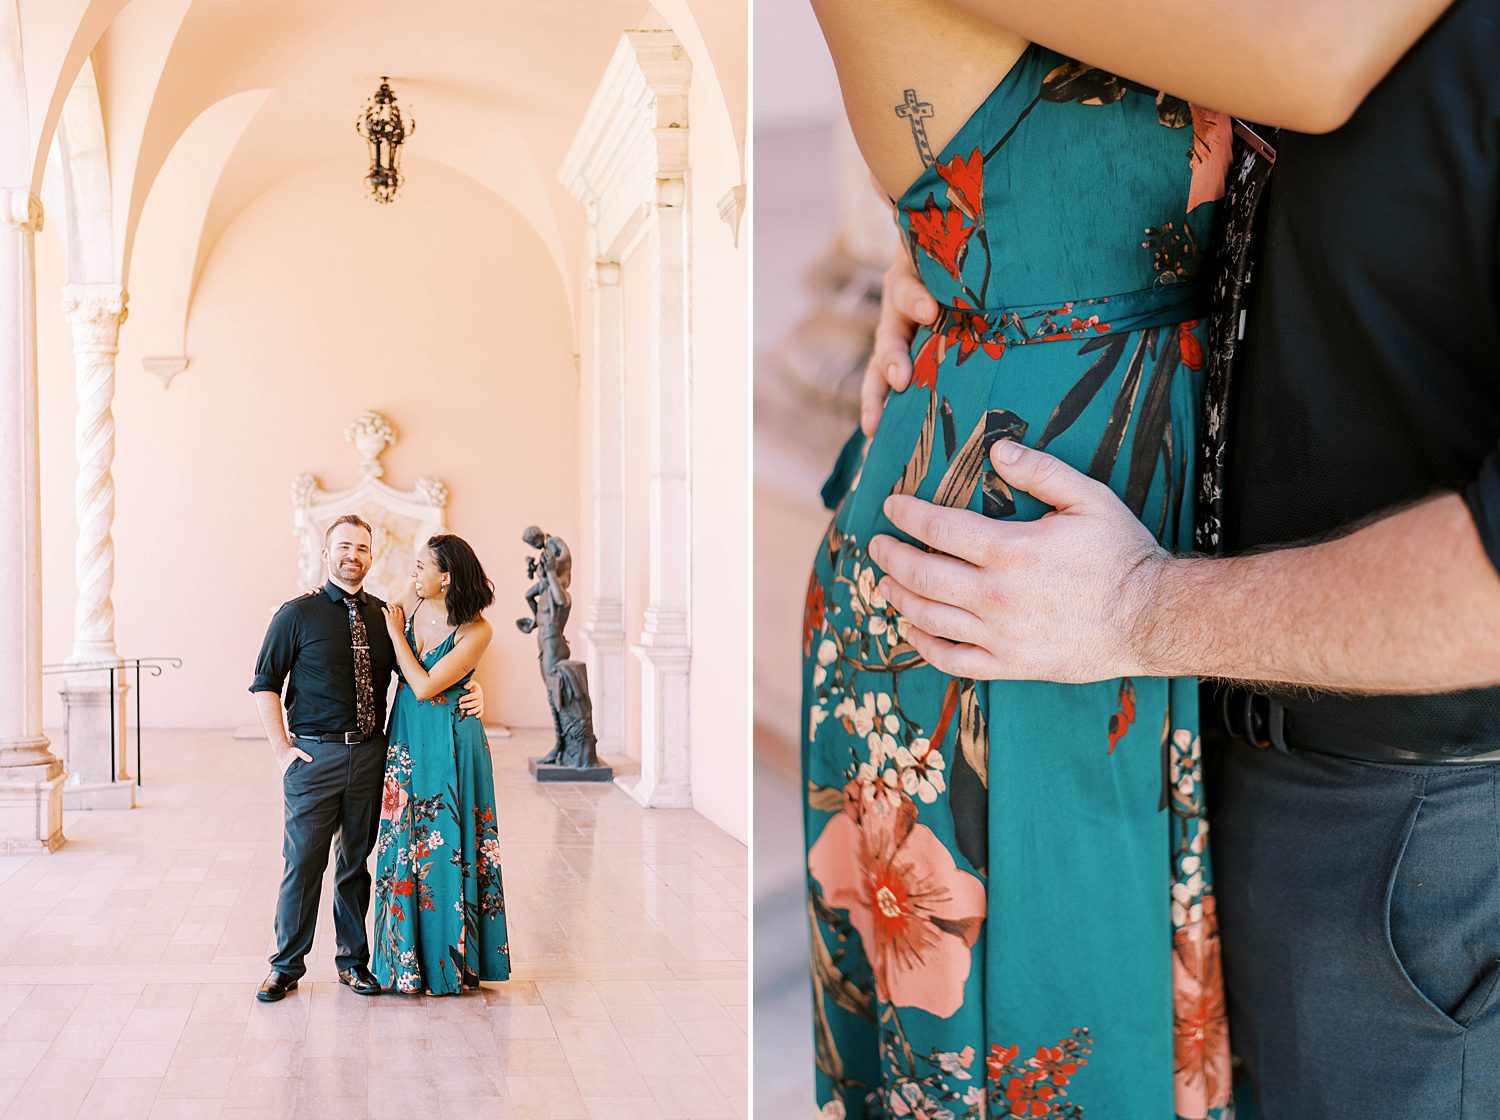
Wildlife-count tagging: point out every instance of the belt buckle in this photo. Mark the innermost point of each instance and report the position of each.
(351, 738)
(1260, 727)
(1268, 729)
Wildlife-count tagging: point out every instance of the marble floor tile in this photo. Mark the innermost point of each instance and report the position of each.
(144, 1058)
(61, 1079)
(129, 962)
(124, 1098)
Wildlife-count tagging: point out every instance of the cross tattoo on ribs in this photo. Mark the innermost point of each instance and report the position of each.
(915, 112)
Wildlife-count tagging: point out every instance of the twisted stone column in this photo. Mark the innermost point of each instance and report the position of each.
(30, 774)
(95, 312)
(98, 772)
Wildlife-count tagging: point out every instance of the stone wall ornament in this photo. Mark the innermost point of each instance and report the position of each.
(165, 367)
(399, 519)
(574, 756)
(732, 209)
(372, 434)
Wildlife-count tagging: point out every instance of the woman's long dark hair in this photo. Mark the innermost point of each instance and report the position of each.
(469, 589)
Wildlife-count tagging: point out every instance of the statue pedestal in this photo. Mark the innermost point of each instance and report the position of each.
(551, 772)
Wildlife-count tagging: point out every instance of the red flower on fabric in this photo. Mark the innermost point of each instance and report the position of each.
(1038, 1087)
(999, 1058)
(1200, 1027)
(1212, 138)
(965, 179)
(916, 911)
(942, 235)
(403, 888)
(966, 330)
(1192, 349)
(812, 613)
(1120, 722)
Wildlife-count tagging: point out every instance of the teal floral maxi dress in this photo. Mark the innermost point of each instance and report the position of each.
(1008, 881)
(439, 905)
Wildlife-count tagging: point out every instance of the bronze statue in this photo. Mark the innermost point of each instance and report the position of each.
(574, 754)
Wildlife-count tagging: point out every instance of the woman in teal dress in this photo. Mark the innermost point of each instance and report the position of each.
(439, 904)
(1009, 883)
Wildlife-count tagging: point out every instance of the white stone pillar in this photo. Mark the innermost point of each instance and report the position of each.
(665, 647)
(605, 628)
(628, 165)
(98, 770)
(31, 775)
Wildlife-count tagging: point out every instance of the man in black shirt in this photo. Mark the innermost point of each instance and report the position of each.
(1357, 819)
(331, 650)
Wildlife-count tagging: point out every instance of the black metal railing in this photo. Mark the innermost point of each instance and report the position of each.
(152, 665)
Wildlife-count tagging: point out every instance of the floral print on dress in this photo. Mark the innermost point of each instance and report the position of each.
(994, 865)
(917, 914)
(440, 923)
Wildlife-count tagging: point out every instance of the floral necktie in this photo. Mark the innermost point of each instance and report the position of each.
(364, 687)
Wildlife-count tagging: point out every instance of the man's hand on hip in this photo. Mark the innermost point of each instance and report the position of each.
(1059, 599)
(471, 703)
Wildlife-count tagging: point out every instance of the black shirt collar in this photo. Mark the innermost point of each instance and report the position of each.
(338, 594)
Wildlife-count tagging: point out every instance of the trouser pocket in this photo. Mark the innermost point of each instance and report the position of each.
(1442, 898)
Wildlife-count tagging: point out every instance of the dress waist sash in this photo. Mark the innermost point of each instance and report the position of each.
(1022, 325)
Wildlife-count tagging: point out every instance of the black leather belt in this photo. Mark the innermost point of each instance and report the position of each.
(348, 738)
(1263, 722)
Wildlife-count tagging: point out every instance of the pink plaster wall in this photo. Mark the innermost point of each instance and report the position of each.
(444, 311)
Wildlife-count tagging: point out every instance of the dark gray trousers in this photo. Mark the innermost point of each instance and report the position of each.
(1359, 906)
(335, 797)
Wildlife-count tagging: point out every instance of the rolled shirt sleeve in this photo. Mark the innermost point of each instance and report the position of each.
(276, 652)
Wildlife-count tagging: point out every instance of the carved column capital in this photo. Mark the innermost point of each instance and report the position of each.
(20, 208)
(95, 312)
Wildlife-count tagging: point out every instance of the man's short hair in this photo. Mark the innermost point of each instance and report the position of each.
(347, 519)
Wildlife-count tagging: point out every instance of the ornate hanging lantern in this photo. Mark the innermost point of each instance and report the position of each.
(384, 130)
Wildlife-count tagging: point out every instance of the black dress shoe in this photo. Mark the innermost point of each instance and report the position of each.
(275, 987)
(360, 980)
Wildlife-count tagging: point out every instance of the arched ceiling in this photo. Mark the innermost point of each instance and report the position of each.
(498, 88)
(502, 82)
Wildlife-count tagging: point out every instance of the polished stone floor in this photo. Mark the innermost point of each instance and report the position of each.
(129, 960)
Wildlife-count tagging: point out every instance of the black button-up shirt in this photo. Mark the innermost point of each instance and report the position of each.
(308, 649)
(1371, 372)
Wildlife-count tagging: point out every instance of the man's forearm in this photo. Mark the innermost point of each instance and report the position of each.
(268, 704)
(1408, 603)
(1281, 62)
